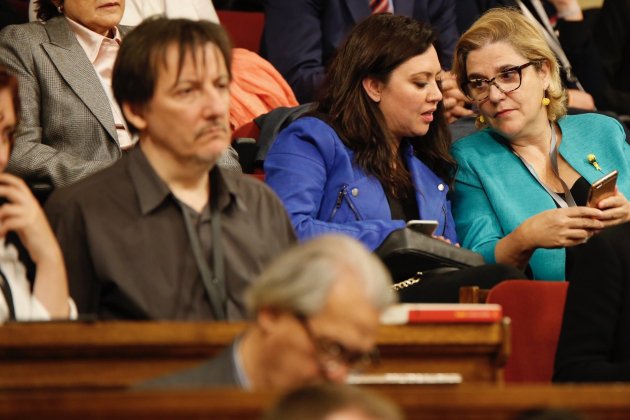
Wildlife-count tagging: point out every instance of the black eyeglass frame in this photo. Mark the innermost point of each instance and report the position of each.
(490, 82)
(331, 354)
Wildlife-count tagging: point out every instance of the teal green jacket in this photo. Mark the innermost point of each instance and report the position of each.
(494, 192)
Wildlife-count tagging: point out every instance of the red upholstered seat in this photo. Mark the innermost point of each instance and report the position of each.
(536, 309)
(245, 28)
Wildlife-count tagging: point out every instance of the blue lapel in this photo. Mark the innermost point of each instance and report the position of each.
(430, 197)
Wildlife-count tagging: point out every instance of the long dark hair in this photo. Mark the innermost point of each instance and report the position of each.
(374, 48)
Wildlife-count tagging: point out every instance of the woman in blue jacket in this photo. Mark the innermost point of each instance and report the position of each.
(374, 153)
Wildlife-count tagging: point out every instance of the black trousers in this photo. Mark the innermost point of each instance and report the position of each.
(443, 287)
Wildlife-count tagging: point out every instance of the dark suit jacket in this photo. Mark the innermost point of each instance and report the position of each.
(612, 35)
(216, 372)
(67, 129)
(594, 341)
(300, 36)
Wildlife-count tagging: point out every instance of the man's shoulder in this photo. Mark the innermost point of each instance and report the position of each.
(104, 182)
(219, 371)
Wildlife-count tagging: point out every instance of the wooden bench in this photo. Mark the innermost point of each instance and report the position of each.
(119, 354)
(463, 402)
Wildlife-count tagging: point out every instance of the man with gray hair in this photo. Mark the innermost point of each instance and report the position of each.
(315, 312)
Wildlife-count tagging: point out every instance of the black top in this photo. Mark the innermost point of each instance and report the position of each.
(594, 342)
(579, 191)
(403, 208)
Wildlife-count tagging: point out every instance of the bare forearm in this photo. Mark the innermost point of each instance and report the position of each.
(514, 250)
(51, 285)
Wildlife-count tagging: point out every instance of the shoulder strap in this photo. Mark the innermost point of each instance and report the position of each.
(8, 296)
(550, 36)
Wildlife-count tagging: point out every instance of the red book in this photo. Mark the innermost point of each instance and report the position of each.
(409, 313)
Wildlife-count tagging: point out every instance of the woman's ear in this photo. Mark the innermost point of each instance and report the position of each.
(135, 115)
(545, 73)
(373, 88)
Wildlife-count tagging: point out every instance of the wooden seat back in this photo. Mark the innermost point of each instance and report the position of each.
(119, 354)
(535, 309)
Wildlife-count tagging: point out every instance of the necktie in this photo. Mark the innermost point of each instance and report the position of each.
(379, 6)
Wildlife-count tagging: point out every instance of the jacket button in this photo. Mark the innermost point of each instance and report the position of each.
(354, 192)
(441, 187)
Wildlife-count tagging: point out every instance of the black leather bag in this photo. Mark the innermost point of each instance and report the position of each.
(405, 252)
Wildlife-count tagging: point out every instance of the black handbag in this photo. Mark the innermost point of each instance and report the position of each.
(406, 252)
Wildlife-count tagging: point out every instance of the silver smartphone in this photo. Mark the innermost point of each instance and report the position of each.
(427, 227)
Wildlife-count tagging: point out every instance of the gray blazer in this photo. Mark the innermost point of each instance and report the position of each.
(217, 372)
(67, 128)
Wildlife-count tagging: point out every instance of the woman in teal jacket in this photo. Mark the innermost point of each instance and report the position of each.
(521, 186)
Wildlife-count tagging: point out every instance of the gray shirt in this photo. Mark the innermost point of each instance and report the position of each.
(128, 254)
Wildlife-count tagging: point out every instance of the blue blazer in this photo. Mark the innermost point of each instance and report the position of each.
(300, 36)
(494, 192)
(324, 191)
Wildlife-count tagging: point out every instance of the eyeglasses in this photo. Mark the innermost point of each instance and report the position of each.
(506, 81)
(332, 355)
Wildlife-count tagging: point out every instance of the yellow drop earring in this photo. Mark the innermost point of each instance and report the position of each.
(481, 119)
(545, 101)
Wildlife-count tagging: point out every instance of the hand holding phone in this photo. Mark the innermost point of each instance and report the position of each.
(602, 188)
(426, 227)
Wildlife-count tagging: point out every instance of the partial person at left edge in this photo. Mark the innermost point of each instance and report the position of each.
(71, 124)
(32, 273)
(165, 233)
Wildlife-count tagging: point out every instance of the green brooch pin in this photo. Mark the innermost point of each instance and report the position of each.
(592, 159)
